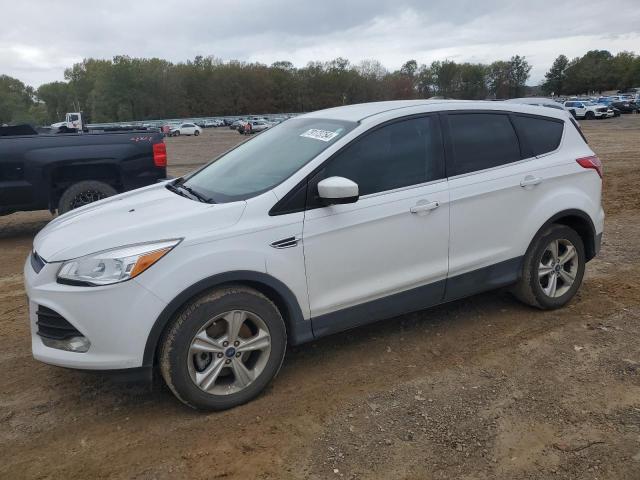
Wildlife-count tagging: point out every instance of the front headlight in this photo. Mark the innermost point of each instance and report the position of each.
(115, 265)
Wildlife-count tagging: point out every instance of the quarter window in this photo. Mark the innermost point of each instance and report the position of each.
(481, 140)
(540, 135)
(402, 154)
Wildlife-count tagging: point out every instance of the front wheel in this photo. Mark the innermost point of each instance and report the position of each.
(223, 348)
(83, 193)
(196, 133)
(553, 268)
(590, 115)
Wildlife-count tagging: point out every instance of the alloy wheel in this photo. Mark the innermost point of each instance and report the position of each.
(229, 352)
(558, 267)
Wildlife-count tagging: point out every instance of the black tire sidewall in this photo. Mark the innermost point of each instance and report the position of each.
(555, 232)
(175, 352)
(64, 204)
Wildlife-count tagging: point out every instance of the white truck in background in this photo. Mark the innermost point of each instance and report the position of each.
(73, 122)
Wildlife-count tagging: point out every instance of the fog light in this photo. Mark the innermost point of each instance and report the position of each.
(73, 344)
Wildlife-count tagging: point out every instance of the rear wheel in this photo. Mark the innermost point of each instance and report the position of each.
(83, 193)
(223, 349)
(590, 115)
(553, 268)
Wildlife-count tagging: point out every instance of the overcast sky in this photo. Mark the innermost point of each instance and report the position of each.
(39, 39)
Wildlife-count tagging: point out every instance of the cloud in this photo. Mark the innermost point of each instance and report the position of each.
(39, 38)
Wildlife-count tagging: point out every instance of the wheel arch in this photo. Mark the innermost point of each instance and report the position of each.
(298, 329)
(63, 176)
(579, 221)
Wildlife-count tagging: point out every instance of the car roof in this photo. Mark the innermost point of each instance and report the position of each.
(361, 111)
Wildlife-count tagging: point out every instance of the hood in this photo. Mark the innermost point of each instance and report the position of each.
(145, 215)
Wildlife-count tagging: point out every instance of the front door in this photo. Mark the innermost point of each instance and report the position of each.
(387, 253)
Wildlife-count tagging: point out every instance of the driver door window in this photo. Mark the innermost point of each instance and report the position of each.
(394, 156)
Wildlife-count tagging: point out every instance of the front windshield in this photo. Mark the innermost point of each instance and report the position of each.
(266, 160)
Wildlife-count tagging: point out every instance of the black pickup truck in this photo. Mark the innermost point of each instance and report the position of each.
(65, 171)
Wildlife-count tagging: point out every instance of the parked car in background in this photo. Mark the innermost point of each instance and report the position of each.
(253, 126)
(185, 129)
(237, 124)
(609, 104)
(62, 172)
(587, 109)
(352, 215)
(626, 106)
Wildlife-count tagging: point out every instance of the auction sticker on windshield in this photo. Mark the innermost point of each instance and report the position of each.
(318, 134)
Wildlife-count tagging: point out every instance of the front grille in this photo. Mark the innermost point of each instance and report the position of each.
(601, 109)
(37, 262)
(52, 325)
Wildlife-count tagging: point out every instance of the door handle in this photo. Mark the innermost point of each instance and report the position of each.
(530, 181)
(424, 206)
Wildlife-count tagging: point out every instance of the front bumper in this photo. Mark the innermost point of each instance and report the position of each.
(116, 319)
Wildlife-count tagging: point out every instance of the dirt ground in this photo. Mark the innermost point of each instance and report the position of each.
(482, 388)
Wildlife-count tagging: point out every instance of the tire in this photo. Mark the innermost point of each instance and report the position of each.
(176, 133)
(533, 288)
(589, 115)
(220, 368)
(196, 133)
(83, 193)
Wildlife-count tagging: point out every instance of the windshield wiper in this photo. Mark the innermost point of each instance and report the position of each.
(196, 194)
(177, 191)
(180, 188)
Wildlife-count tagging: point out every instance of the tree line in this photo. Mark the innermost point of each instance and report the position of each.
(594, 72)
(125, 88)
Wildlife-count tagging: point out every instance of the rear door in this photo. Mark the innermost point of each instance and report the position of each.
(388, 252)
(491, 187)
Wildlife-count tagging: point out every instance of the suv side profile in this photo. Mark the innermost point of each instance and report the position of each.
(587, 110)
(328, 221)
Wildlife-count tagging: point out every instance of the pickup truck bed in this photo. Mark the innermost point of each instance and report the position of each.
(36, 170)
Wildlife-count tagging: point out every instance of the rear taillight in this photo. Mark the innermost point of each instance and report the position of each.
(160, 154)
(591, 162)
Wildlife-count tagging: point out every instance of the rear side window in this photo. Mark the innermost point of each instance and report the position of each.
(539, 135)
(401, 154)
(480, 141)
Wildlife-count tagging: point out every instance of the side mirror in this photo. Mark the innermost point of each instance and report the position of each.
(338, 190)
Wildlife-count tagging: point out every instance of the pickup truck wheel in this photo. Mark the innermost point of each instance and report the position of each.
(590, 115)
(223, 348)
(82, 193)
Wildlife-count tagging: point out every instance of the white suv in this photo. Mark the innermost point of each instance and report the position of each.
(326, 222)
(588, 110)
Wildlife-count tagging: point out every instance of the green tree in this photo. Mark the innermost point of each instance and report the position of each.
(16, 101)
(555, 77)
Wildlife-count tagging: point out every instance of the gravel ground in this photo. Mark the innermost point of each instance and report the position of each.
(482, 388)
